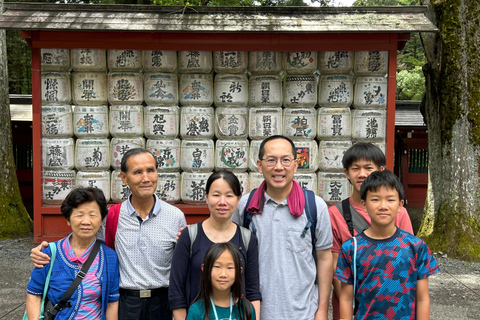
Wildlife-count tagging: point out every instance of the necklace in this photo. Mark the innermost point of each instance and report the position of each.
(215, 310)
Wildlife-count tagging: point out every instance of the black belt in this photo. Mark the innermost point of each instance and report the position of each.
(144, 293)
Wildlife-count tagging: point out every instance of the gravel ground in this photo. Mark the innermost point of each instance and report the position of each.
(454, 291)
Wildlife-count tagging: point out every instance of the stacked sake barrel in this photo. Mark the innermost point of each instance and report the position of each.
(202, 111)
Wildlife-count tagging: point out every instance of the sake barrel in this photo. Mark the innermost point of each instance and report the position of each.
(90, 121)
(58, 154)
(334, 124)
(159, 61)
(125, 88)
(92, 154)
(119, 191)
(126, 121)
(336, 62)
(300, 123)
(230, 61)
(369, 125)
(333, 187)
(230, 90)
(255, 180)
(195, 61)
(89, 88)
(121, 145)
(265, 91)
(300, 91)
(89, 59)
(168, 187)
(371, 93)
(55, 59)
(167, 154)
(299, 62)
(124, 60)
(381, 145)
(161, 89)
(196, 90)
(161, 122)
(330, 155)
(56, 185)
(368, 63)
(231, 155)
(95, 179)
(253, 154)
(57, 121)
(193, 187)
(231, 122)
(243, 178)
(265, 122)
(55, 88)
(196, 123)
(265, 62)
(307, 181)
(335, 91)
(197, 156)
(306, 155)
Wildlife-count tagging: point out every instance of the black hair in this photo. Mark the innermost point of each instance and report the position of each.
(364, 151)
(261, 150)
(378, 179)
(229, 177)
(244, 307)
(134, 152)
(80, 196)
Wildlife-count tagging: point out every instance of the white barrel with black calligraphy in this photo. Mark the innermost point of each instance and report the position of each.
(57, 121)
(371, 92)
(335, 62)
(161, 122)
(334, 124)
(255, 180)
(243, 178)
(253, 155)
(335, 91)
(90, 121)
(369, 125)
(230, 90)
(55, 59)
(92, 154)
(195, 61)
(307, 181)
(265, 62)
(330, 155)
(124, 60)
(159, 61)
(95, 179)
(55, 88)
(193, 187)
(300, 123)
(126, 121)
(230, 61)
(299, 62)
(333, 187)
(265, 91)
(119, 191)
(369, 63)
(197, 123)
(89, 59)
(89, 88)
(121, 145)
(125, 88)
(300, 91)
(265, 122)
(58, 154)
(56, 185)
(196, 89)
(231, 155)
(167, 154)
(197, 156)
(161, 89)
(168, 187)
(306, 155)
(231, 122)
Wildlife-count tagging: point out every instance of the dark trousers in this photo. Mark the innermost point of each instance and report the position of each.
(135, 308)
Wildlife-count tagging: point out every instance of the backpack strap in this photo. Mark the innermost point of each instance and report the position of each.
(347, 214)
(111, 225)
(311, 212)
(192, 232)
(247, 216)
(353, 219)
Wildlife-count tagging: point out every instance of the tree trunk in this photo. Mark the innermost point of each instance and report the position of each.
(14, 219)
(452, 110)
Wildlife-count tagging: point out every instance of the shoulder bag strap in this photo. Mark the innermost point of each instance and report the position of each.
(354, 274)
(53, 254)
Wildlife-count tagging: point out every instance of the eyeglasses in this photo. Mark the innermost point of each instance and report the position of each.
(272, 162)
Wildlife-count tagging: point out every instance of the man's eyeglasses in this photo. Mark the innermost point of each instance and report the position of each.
(272, 161)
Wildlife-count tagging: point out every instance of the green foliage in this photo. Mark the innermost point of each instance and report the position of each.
(365, 3)
(410, 84)
(19, 66)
